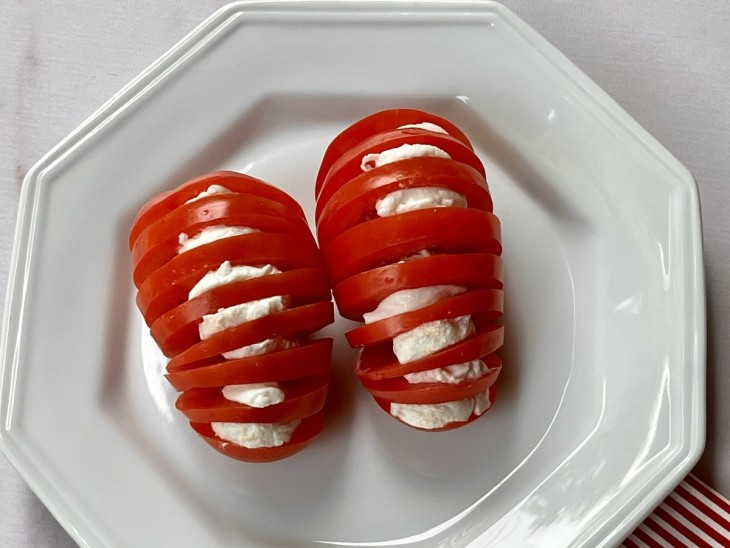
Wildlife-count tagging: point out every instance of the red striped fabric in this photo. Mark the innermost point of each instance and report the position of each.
(693, 515)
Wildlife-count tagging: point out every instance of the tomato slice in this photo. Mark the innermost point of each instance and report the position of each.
(177, 329)
(388, 239)
(302, 436)
(385, 406)
(162, 204)
(487, 304)
(355, 201)
(377, 123)
(378, 361)
(363, 292)
(399, 390)
(301, 320)
(170, 284)
(303, 397)
(159, 243)
(310, 359)
(347, 167)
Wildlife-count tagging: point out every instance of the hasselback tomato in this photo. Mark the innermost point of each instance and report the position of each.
(232, 285)
(406, 226)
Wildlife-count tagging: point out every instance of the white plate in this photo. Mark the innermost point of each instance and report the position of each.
(601, 407)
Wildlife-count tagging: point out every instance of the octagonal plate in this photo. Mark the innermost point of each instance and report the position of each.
(601, 409)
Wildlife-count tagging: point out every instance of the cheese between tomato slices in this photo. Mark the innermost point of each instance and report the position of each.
(438, 415)
(211, 234)
(255, 434)
(250, 435)
(429, 337)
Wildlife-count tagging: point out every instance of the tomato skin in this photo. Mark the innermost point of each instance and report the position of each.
(399, 390)
(304, 397)
(161, 204)
(302, 436)
(310, 359)
(158, 243)
(302, 320)
(169, 285)
(378, 361)
(485, 303)
(363, 292)
(385, 406)
(445, 230)
(347, 167)
(177, 329)
(377, 123)
(355, 201)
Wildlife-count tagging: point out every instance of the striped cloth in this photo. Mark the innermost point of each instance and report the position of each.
(693, 515)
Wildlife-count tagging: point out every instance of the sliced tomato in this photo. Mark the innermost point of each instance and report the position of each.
(162, 204)
(177, 329)
(377, 123)
(303, 397)
(302, 436)
(310, 359)
(484, 303)
(388, 239)
(169, 285)
(159, 243)
(401, 391)
(355, 201)
(363, 292)
(378, 361)
(348, 166)
(385, 406)
(295, 321)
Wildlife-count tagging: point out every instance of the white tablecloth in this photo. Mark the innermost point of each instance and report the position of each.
(665, 62)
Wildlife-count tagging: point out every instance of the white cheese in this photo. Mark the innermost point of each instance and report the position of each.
(451, 374)
(226, 274)
(253, 434)
(428, 126)
(482, 403)
(211, 234)
(257, 394)
(403, 152)
(411, 199)
(436, 415)
(407, 300)
(431, 337)
(260, 348)
(211, 191)
(241, 313)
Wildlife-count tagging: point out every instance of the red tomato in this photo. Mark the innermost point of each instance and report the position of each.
(302, 436)
(487, 304)
(363, 292)
(378, 361)
(401, 391)
(302, 320)
(355, 201)
(158, 243)
(310, 359)
(303, 397)
(170, 284)
(165, 277)
(348, 166)
(377, 123)
(389, 239)
(160, 205)
(385, 406)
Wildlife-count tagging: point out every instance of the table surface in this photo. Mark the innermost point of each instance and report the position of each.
(666, 62)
